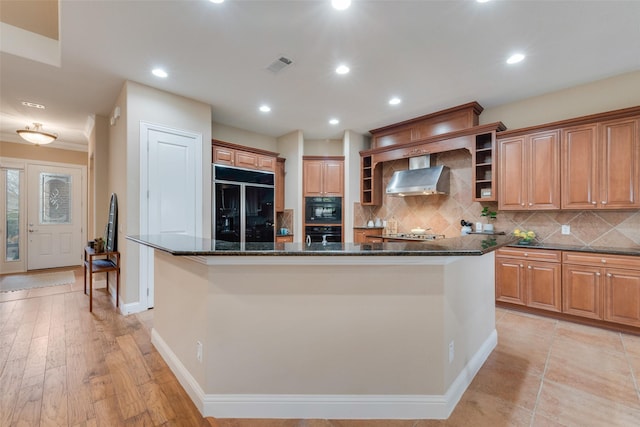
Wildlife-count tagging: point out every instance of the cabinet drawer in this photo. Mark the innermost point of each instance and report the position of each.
(601, 260)
(532, 254)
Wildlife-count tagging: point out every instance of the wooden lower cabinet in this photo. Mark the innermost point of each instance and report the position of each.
(622, 296)
(600, 287)
(367, 235)
(582, 291)
(529, 277)
(284, 239)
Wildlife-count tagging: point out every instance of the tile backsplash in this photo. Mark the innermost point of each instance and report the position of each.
(442, 213)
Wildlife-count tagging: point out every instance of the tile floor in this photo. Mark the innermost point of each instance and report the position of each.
(544, 372)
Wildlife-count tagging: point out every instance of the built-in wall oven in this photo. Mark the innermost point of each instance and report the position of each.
(323, 210)
(323, 233)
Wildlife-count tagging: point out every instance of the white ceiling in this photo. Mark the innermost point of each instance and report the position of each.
(432, 54)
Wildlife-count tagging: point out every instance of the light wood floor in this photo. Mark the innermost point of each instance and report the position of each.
(63, 366)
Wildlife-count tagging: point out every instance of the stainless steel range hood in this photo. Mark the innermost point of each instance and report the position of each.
(419, 179)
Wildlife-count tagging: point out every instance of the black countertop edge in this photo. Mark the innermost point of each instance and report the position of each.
(575, 248)
(182, 245)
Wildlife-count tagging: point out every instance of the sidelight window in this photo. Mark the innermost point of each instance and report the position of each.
(12, 214)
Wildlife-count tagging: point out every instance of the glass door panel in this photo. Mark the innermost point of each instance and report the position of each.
(259, 214)
(227, 205)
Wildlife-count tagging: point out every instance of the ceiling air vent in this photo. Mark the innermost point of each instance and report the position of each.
(279, 64)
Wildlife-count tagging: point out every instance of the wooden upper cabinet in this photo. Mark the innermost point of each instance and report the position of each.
(601, 165)
(580, 167)
(453, 119)
(620, 164)
(529, 172)
(226, 153)
(223, 156)
(323, 178)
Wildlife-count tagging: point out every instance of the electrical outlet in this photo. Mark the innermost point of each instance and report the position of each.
(199, 351)
(566, 229)
(451, 352)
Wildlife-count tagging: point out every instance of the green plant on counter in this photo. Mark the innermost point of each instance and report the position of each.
(487, 243)
(488, 213)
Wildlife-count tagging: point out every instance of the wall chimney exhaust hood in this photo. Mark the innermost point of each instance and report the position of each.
(419, 179)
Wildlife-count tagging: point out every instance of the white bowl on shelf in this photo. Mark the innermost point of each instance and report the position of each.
(418, 231)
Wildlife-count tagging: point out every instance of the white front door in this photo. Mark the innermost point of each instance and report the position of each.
(54, 216)
(171, 178)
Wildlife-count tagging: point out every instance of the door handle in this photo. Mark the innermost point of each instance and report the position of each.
(31, 230)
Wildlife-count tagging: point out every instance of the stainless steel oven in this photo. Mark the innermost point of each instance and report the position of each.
(320, 233)
(323, 210)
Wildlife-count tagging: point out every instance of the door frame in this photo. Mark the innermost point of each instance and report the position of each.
(23, 164)
(145, 261)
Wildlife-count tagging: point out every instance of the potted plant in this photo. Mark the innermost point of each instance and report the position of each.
(489, 214)
(526, 237)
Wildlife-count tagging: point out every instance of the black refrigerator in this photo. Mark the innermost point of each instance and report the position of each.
(243, 205)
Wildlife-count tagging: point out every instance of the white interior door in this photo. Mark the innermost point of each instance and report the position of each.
(54, 216)
(172, 181)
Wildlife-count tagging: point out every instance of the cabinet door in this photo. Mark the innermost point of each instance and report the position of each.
(622, 296)
(359, 236)
(579, 168)
(266, 163)
(246, 160)
(510, 281)
(581, 291)
(544, 285)
(333, 178)
(512, 182)
(619, 164)
(223, 156)
(544, 171)
(312, 178)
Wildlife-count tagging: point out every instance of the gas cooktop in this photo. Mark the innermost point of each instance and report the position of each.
(409, 236)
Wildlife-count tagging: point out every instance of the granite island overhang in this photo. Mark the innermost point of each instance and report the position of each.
(289, 330)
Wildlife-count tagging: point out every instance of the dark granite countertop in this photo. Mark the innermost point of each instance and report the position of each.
(182, 245)
(634, 251)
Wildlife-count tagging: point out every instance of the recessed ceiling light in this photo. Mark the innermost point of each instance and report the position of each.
(265, 108)
(342, 69)
(515, 58)
(482, 1)
(33, 105)
(395, 101)
(216, 1)
(159, 72)
(340, 4)
(334, 121)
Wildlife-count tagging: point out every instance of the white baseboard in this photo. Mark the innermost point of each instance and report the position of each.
(326, 406)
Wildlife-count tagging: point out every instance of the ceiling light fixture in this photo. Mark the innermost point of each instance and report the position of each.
(265, 108)
(395, 101)
(159, 72)
(37, 135)
(340, 4)
(217, 1)
(342, 69)
(515, 58)
(33, 105)
(334, 121)
(482, 1)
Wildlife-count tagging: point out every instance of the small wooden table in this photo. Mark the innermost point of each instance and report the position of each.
(101, 262)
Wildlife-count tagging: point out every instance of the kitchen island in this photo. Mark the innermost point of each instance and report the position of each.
(289, 330)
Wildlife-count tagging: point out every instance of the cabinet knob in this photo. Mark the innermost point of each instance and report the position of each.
(526, 254)
(594, 203)
(530, 268)
(521, 266)
(530, 204)
(609, 275)
(522, 204)
(597, 274)
(604, 261)
(604, 202)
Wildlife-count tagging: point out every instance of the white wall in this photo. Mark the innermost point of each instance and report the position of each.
(595, 97)
(243, 137)
(290, 146)
(140, 103)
